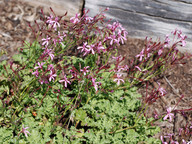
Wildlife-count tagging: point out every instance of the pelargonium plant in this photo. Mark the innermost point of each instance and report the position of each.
(64, 88)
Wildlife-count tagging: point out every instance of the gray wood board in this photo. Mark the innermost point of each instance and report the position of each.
(152, 18)
(59, 6)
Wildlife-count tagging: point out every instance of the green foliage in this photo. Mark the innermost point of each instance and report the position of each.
(105, 117)
(92, 108)
(5, 135)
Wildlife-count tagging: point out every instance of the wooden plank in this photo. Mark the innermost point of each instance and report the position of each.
(59, 6)
(153, 18)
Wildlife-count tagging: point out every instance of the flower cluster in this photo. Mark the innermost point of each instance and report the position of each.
(180, 37)
(108, 38)
(45, 75)
(91, 43)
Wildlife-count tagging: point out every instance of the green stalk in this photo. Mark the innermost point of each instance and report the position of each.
(72, 101)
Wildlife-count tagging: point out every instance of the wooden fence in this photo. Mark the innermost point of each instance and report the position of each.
(153, 18)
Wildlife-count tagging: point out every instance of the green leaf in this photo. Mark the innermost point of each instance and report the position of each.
(80, 114)
(47, 131)
(19, 58)
(35, 137)
(27, 80)
(5, 135)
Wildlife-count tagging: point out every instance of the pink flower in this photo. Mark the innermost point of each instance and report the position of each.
(60, 38)
(162, 140)
(120, 37)
(180, 36)
(40, 65)
(75, 19)
(50, 67)
(48, 52)
(183, 43)
(161, 90)
(51, 55)
(84, 47)
(167, 41)
(65, 80)
(25, 131)
(156, 116)
(52, 75)
(160, 51)
(50, 19)
(118, 79)
(170, 137)
(46, 41)
(87, 49)
(36, 73)
(169, 114)
(88, 19)
(114, 26)
(184, 142)
(95, 84)
(90, 49)
(56, 23)
(141, 55)
(113, 39)
(53, 22)
(120, 68)
(100, 47)
(84, 70)
(126, 67)
(125, 33)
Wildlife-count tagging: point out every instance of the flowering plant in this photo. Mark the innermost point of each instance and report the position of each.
(65, 88)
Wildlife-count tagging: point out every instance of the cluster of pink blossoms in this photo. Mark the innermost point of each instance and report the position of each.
(117, 34)
(119, 70)
(53, 22)
(45, 74)
(179, 38)
(48, 73)
(77, 19)
(65, 80)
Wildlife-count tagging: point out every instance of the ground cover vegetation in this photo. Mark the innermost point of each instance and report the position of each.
(71, 86)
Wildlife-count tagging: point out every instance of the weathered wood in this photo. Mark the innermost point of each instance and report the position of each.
(59, 6)
(153, 18)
